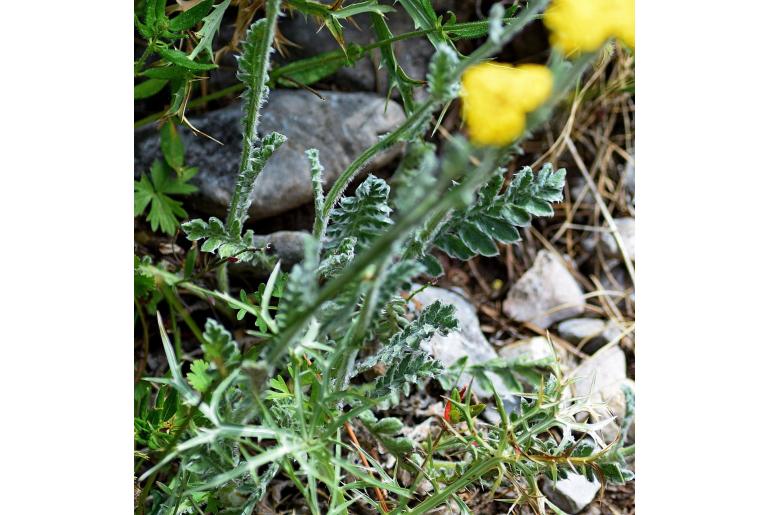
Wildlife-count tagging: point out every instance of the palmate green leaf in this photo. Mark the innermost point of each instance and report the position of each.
(154, 191)
(210, 28)
(181, 59)
(198, 376)
(363, 216)
(191, 16)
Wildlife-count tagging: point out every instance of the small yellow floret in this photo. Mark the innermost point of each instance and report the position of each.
(584, 25)
(497, 98)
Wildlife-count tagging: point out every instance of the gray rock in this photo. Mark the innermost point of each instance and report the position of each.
(545, 294)
(627, 231)
(535, 348)
(467, 341)
(341, 127)
(413, 55)
(571, 494)
(592, 333)
(288, 246)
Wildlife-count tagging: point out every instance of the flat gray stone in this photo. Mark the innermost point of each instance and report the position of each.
(593, 333)
(467, 341)
(573, 493)
(340, 127)
(545, 294)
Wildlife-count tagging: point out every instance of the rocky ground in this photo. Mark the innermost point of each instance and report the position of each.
(569, 280)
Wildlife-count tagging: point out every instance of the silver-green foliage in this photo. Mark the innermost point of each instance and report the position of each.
(342, 338)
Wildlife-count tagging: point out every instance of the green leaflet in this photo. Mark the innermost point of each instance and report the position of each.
(198, 376)
(181, 59)
(210, 28)
(148, 88)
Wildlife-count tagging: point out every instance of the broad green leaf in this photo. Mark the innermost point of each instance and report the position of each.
(191, 16)
(148, 88)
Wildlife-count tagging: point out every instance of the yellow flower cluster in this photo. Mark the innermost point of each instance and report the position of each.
(497, 98)
(584, 25)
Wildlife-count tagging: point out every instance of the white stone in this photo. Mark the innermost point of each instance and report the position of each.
(545, 294)
(573, 493)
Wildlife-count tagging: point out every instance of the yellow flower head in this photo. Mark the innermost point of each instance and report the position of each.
(497, 97)
(584, 25)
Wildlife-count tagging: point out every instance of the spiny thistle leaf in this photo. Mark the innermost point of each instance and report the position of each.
(363, 216)
(191, 16)
(210, 27)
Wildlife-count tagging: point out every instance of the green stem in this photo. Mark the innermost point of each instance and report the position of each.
(338, 188)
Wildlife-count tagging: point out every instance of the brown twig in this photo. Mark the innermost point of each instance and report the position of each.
(377, 490)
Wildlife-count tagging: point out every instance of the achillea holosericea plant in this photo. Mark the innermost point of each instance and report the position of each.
(340, 335)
